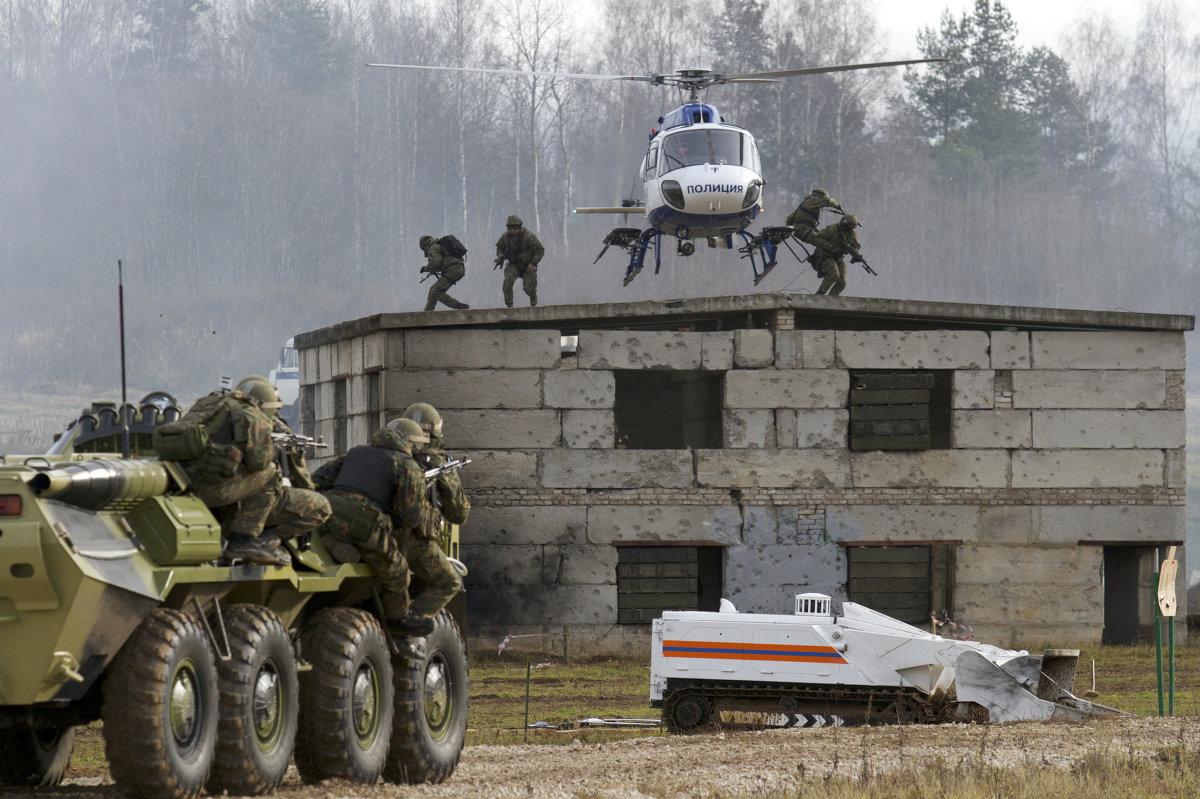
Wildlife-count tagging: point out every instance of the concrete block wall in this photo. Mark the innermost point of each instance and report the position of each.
(1057, 438)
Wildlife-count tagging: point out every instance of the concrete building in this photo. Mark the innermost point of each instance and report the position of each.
(1016, 469)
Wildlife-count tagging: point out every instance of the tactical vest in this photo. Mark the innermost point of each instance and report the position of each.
(369, 471)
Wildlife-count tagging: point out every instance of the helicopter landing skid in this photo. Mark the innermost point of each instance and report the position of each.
(635, 242)
(766, 244)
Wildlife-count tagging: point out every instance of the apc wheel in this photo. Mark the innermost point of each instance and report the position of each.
(686, 714)
(160, 709)
(35, 757)
(430, 722)
(345, 700)
(259, 700)
(907, 710)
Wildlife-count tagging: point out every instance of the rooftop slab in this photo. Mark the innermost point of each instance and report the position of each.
(807, 312)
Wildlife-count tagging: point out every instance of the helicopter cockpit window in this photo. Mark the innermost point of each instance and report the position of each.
(697, 147)
(650, 167)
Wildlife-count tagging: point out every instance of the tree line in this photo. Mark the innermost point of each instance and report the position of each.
(258, 180)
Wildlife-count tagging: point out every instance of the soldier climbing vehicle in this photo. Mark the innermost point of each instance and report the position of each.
(206, 677)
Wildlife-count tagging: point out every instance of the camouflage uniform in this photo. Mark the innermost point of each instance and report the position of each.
(830, 245)
(524, 251)
(426, 559)
(294, 509)
(237, 467)
(807, 215)
(371, 508)
(449, 270)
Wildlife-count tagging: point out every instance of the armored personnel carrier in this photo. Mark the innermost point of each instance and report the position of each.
(206, 677)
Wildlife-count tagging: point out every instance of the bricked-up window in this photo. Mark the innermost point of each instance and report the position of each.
(651, 579)
(660, 409)
(907, 410)
(908, 583)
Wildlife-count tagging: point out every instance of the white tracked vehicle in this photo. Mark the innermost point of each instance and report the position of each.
(860, 667)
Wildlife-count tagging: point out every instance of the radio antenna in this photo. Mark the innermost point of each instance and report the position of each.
(124, 397)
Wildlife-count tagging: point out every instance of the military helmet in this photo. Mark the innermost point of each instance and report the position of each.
(426, 416)
(514, 221)
(820, 192)
(410, 430)
(849, 220)
(425, 241)
(259, 388)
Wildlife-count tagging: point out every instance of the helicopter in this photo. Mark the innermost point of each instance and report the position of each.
(701, 176)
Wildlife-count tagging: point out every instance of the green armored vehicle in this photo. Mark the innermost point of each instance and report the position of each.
(206, 677)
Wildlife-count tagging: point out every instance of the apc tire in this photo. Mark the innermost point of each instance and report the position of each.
(345, 699)
(686, 713)
(260, 696)
(160, 709)
(35, 757)
(429, 726)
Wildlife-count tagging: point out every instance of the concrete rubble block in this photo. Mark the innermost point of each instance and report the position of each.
(753, 349)
(818, 349)
(343, 358)
(670, 524)
(786, 388)
(482, 349)
(589, 429)
(1010, 524)
(913, 349)
(374, 346)
(1103, 429)
(788, 351)
(749, 429)
(579, 388)
(766, 579)
(934, 468)
(325, 430)
(326, 361)
(358, 429)
(356, 394)
(994, 429)
(393, 349)
(324, 401)
(596, 468)
(1176, 399)
(785, 428)
(896, 523)
(716, 350)
(1101, 523)
(548, 607)
(541, 525)
(982, 564)
(1084, 468)
(579, 565)
(822, 429)
(496, 566)
(1177, 468)
(974, 388)
(1010, 349)
(487, 429)
(494, 468)
(308, 360)
(766, 525)
(760, 468)
(464, 388)
(1089, 388)
(639, 349)
(1125, 349)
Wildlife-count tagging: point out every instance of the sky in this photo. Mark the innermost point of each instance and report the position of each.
(1039, 22)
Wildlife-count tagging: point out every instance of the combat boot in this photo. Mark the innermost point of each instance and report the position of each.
(412, 625)
(462, 306)
(264, 551)
(342, 552)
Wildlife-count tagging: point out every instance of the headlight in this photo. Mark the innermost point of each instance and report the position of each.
(752, 194)
(672, 193)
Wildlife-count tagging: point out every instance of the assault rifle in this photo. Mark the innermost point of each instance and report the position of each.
(445, 468)
(856, 258)
(296, 440)
(429, 275)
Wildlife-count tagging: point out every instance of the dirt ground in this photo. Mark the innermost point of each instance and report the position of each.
(752, 763)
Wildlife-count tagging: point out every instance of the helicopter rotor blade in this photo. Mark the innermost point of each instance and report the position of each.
(527, 73)
(747, 77)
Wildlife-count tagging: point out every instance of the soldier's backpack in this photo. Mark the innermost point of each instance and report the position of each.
(188, 437)
(452, 245)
